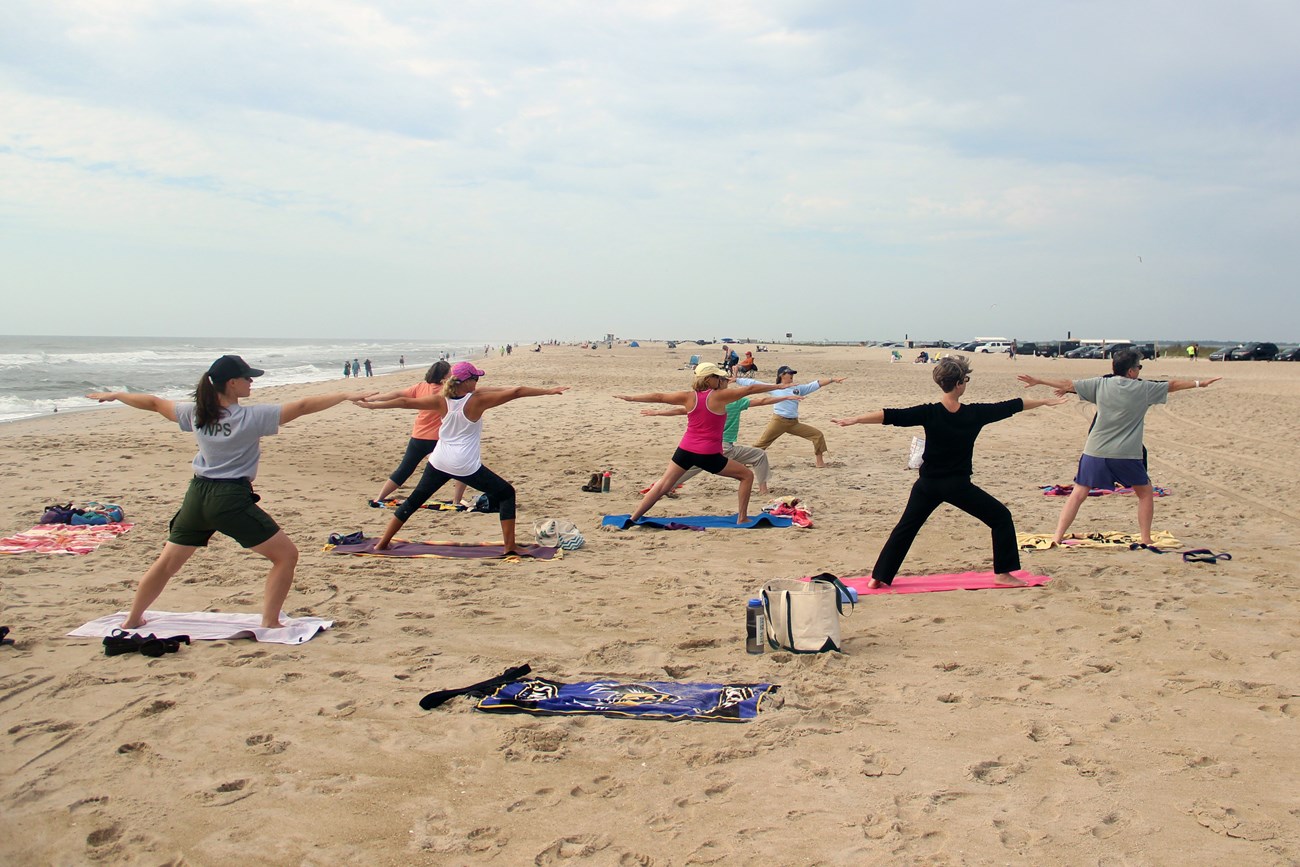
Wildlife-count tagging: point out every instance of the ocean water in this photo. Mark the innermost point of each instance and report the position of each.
(41, 375)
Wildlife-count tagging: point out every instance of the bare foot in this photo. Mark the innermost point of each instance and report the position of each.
(1008, 580)
(742, 519)
(126, 624)
(821, 465)
(873, 584)
(765, 492)
(276, 625)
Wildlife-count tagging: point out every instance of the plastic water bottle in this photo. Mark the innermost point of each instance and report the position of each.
(755, 628)
(604, 481)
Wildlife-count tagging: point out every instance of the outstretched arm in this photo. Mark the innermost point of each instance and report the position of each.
(1035, 403)
(1184, 384)
(677, 410)
(387, 395)
(308, 405)
(676, 398)
(486, 398)
(767, 401)
(825, 382)
(152, 403)
(877, 417)
(1064, 386)
(429, 401)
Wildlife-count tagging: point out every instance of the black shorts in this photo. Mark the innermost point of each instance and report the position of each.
(714, 463)
(228, 507)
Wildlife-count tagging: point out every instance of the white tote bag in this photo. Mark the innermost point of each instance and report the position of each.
(916, 455)
(803, 616)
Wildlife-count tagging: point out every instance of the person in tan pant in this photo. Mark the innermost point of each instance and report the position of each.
(785, 418)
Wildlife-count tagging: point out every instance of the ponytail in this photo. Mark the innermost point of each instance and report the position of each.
(437, 372)
(207, 402)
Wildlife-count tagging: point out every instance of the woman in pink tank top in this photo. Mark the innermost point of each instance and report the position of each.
(701, 445)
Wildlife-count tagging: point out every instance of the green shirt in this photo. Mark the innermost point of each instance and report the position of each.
(731, 431)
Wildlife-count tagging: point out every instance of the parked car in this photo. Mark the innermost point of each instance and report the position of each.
(1148, 350)
(995, 346)
(1223, 353)
(1253, 352)
(968, 346)
(1056, 348)
(1090, 350)
(1110, 349)
(1288, 353)
(1027, 348)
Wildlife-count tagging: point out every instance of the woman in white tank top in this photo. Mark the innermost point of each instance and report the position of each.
(461, 405)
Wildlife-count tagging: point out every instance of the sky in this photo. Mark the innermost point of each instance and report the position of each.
(655, 169)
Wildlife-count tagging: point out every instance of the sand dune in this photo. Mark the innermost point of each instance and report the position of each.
(1136, 710)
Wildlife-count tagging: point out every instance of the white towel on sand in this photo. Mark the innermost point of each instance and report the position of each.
(209, 625)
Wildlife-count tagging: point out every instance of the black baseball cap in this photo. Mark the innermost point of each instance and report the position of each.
(229, 367)
(784, 369)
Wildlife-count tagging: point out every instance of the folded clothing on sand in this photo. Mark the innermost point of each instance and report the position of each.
(695, 522)
(443, 550)
(209, 625)
(1117, 541)
(61, 539)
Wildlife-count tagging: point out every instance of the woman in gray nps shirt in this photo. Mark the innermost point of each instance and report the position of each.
(1112, 454)
(220, 497)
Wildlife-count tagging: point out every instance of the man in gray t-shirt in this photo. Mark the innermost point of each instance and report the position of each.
(1113, 452)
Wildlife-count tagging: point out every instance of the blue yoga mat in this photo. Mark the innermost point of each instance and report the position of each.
(725, 522)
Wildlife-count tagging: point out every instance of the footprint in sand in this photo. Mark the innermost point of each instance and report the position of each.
(993, 773)
(568, 848)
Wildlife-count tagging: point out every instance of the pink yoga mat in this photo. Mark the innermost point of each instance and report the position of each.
(936, 583)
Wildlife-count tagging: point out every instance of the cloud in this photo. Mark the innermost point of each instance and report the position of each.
(629, 155)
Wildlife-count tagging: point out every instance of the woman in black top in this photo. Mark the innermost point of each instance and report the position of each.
(950, 431)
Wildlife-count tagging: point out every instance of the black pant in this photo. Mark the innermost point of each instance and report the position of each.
(928, 495)
(416, 451)
(500, 493)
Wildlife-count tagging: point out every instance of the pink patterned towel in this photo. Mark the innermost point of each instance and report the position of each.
(61, 538)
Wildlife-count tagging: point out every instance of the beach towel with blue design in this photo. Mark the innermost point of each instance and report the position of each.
(645, 699)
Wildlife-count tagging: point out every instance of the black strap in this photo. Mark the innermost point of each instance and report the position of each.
(841, 591)
(480, 689)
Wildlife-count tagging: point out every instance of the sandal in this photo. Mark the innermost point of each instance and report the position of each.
(156, 647)
(119, 641)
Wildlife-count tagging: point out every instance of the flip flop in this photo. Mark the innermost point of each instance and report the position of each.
(1204, 555)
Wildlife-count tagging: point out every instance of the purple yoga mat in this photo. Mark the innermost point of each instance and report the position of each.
(442, 550)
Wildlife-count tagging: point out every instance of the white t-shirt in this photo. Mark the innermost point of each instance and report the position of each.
(230, 447)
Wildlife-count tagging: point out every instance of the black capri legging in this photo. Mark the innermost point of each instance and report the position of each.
(500, 493)
(928, 495)
(416, 451)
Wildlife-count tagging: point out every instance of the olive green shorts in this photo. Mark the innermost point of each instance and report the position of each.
(228, 507)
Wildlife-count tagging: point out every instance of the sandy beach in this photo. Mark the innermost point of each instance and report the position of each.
(1135, 710)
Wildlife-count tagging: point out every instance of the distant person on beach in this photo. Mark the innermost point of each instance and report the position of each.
(747, 364)
(356, 368)
(951, 428)
(401, 362)
(220, 497)
(461, 404)
(1011, 351)
(701, 446)
(1112, 454)
(369, 370)
(785, 414)
(1192, 350)
(755, 459)
(424, 433)
(347, 369)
